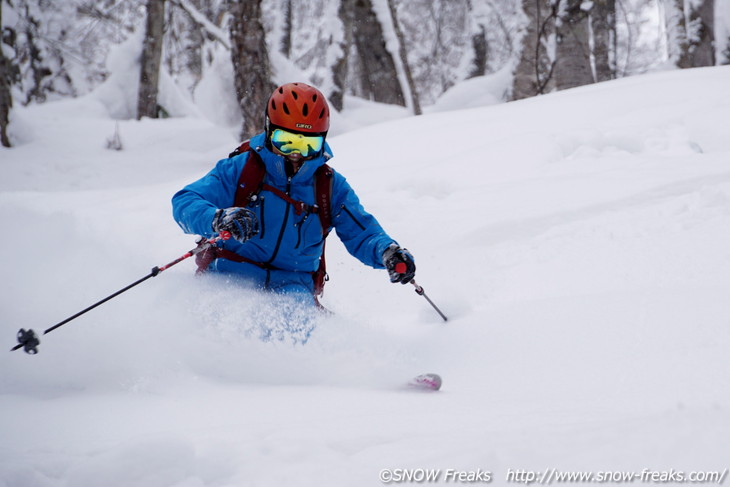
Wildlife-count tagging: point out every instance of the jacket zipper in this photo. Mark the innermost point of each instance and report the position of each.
(299, 230)
(263, 226)
(353, 217)
(283, 225)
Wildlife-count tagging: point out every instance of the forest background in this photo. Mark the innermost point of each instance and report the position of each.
(222, 58)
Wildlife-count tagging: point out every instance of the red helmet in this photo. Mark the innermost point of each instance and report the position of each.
(298, 107)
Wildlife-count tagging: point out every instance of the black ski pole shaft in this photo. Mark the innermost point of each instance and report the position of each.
(153, 273)
(29, 340)
(99, 303)
(421, 292)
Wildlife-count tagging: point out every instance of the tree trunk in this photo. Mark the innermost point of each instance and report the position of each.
(339, 70)
(287, 34)
(603, 23)
(481, 53)
(6, 100)
(533, 74)
(403, 53)
(35, 56)
(378, 78)
(572, 57)
(151, 59)
(251, 68)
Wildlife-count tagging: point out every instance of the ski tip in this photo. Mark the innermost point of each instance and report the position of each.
(426, 382)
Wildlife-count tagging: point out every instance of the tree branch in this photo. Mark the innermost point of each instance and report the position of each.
(199, 18)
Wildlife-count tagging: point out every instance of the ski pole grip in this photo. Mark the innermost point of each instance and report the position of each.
(401, 268)
(225, 235)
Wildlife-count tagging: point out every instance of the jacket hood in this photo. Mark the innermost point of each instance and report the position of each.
(276, 164)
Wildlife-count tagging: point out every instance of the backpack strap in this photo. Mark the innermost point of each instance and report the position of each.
(251, 178)
(244, 147)
(299, 206)
(323, 181)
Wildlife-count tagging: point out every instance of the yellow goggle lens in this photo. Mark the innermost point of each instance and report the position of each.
(289, 143)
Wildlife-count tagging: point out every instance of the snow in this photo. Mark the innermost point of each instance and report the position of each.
(577, 241)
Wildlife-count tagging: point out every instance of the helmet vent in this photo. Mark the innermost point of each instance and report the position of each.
(298, 107)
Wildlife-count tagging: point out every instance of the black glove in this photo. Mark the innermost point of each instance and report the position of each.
(400, 264)
(241, 223)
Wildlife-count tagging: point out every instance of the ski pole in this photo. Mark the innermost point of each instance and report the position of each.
(28, 340)
(421, 292)
(401, 269)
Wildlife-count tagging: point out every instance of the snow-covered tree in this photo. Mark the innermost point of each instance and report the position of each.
(405, 52)
(38, 41)
(690, 27)
(308, 36)
(438, 36)
(700, 48)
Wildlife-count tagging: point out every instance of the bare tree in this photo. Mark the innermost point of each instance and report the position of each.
(287, 35)
(377, 78)
(438, 38)
(603, 25)
(340, 68)
(533, 74)
(188, 31)
(573, 56)
(200, 17)
(479, 44)
(151, 58)
(251, 68)
(481, 52)
(493, 29)
(6, 100)
(403, 53)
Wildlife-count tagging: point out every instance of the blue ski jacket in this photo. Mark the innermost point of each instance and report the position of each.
(289, 244)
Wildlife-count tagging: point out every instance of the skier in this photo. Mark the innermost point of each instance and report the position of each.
(277, 235)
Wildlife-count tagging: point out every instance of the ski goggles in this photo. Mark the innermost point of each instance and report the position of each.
(290, 143)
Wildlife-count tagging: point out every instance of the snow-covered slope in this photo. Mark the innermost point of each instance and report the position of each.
(579, 243)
